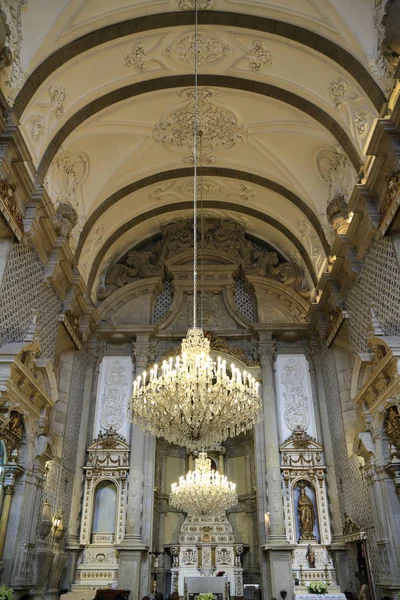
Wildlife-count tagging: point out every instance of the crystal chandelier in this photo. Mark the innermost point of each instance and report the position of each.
(194, 401)
(203, 492)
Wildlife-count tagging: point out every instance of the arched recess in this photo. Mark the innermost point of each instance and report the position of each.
(180, 206)
(105, 502)
(299, 34)
(216, 81)
(207, 171)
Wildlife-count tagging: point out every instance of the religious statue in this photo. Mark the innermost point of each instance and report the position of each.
(16, 425)
(306, 514)
(392, 419)
(310, 556)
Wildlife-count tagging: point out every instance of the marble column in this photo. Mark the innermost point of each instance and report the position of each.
(89, 398)
(11, 473)
(134, 561)
(279, 556)
(337, 547)
(273, 469)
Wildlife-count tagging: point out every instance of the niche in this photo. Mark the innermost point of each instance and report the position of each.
(104, 508)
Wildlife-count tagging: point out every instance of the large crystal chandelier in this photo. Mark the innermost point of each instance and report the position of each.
(193, 400)
(203, 492)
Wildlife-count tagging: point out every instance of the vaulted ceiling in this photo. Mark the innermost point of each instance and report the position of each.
(288, 94)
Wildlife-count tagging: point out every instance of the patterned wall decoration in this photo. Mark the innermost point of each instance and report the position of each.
(24, 294)
(353, 493)
(114, 391)
(295, 405)
(378, 286)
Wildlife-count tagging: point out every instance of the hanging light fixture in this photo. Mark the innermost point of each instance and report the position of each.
(203, 492)
(193, 400)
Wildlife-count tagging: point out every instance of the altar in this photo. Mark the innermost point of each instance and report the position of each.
(201, 585)
(206, 549)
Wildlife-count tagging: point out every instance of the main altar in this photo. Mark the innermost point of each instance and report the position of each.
(207, 552)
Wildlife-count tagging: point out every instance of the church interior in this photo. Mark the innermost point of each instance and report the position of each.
(199, 299)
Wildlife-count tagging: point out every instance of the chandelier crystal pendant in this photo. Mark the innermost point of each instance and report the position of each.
(203, 492)
(192, 400)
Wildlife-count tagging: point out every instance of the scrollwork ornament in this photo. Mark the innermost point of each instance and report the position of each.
(297, 409)
(113, 401)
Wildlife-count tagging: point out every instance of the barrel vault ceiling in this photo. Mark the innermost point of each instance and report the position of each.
(288, 94)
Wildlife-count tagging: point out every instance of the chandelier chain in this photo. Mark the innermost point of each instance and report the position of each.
(195, 159)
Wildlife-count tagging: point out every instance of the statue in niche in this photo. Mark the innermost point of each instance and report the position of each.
(306, 514)
(310, 556)
(392, 419)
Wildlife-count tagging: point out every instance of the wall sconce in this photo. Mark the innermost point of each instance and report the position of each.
(45, 521)
(58, 528)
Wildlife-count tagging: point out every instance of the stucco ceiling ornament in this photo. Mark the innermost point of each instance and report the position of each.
(257, 55)
(382, 62)
(36, 127)
(337, 172)
(219, 126)
(14, 74)
(65, 178)
(206, 187)
(57, 97)
(139, 58)
(311, 241)
(211, 49)
(192, 4)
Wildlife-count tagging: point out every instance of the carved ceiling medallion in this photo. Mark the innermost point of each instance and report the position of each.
(219, 126)
(210, 49)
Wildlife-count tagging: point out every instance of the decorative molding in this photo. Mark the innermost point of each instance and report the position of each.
(311, 241)
(335, 320)
(221, 235)
(219, 126)
(338, 92)
(71, 323)
(36, 127)
(211, 49)
(9, 208)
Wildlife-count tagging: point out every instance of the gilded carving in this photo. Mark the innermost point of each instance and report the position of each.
(219, 126)
(210, 49)
(220, 235)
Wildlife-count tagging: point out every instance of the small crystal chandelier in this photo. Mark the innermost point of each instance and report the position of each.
(194, 401)
(203, 492)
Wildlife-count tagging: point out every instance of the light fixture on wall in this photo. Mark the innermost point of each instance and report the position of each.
(58, 528)
(203, 492)
(193, 400)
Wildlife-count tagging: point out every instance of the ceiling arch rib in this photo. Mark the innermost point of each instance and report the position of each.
(207, 171)
(288, 31)
(184, 206)
(216, 81)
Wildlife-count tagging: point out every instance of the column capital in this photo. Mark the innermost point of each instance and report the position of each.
(141, 354)
(267, 353)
